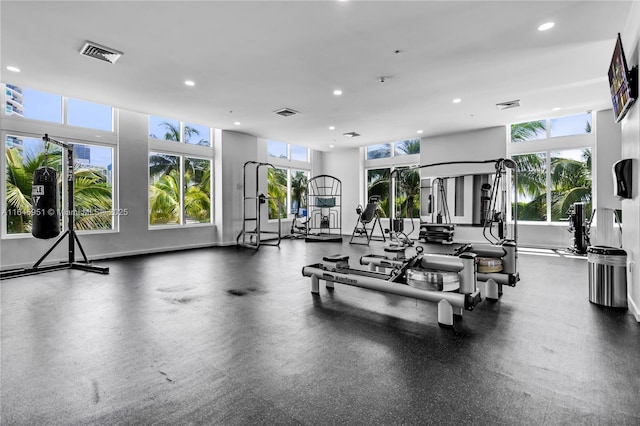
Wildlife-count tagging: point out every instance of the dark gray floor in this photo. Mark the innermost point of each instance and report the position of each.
(233, 336)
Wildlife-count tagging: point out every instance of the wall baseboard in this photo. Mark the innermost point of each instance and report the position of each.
(115, 255)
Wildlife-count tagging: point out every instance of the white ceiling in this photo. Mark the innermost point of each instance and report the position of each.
(250, 58)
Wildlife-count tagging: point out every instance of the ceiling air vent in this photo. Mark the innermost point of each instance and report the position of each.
(351, 134)
(509, 104)
(286, 112)
(94, 50)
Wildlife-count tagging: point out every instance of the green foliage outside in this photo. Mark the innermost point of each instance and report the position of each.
(277, 192)
(92, 192)
(164, 190)
(570, 179)
(407, 200)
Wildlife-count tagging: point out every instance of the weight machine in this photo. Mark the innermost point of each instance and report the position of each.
(71, 263)
(580, 227)
(449, 280)
(252, 213)
(407, 277)
(324, 209)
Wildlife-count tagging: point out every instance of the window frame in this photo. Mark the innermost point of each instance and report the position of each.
(115, 225)
(549, 145)
(392, 162)
(182, 150)
(290, 165)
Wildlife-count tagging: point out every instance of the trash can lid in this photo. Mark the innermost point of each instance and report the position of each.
(611, 251)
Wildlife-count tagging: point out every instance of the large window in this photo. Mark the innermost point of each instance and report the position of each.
(33, 104)
(389, 163)
(93, 183)
(90, 115)
(93, 187)
(42, 106)
(179, 189)
(554, 166)
(287, 183)
(176, 131)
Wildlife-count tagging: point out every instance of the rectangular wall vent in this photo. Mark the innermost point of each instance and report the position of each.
(509, 104)
(286, 112)
(94, 50)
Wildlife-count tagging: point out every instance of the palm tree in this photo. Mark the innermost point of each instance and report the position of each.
(92, 199)
(409, 146)
(172, 133)
(298, 188)
(527, 131)
(20, 170)
(197, 201)
(406, 201)
(277, 192)
(164, 199)
(570, 183)
(570, 179)
(378, 184)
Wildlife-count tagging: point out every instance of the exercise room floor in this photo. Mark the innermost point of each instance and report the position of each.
(233, 336)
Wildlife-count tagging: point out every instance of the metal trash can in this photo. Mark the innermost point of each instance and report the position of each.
(607, 276)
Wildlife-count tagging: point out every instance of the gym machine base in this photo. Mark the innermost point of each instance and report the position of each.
(495, 266)
(71, 263)
(335, 269)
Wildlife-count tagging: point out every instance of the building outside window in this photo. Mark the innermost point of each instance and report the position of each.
(25, 151)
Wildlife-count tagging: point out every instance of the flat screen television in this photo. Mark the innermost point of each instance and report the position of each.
(622, 82)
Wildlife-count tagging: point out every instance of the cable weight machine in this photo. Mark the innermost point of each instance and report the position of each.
(71, 262)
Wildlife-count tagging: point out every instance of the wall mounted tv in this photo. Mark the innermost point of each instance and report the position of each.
(623, 82)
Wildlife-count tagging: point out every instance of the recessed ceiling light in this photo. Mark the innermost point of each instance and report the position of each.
(557, 109)
(13, 69)
(419, 131)
(332, 127)
(546, 26)
(337, 92)
(331, 146)
(189, 83)
(457, 100)
(237, 123)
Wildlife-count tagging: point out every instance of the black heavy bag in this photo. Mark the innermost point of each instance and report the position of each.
(45, 219)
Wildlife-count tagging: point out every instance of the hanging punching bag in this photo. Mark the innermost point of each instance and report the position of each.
(45, 219)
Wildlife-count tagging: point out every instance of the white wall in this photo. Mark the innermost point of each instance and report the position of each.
(631, 149)
(232, 151)
(606, 153)
(346, 165)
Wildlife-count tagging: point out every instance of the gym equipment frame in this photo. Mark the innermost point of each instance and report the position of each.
(71, 263)
(324, 209)
(365, 216)
(254, 239)
(335, 269)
